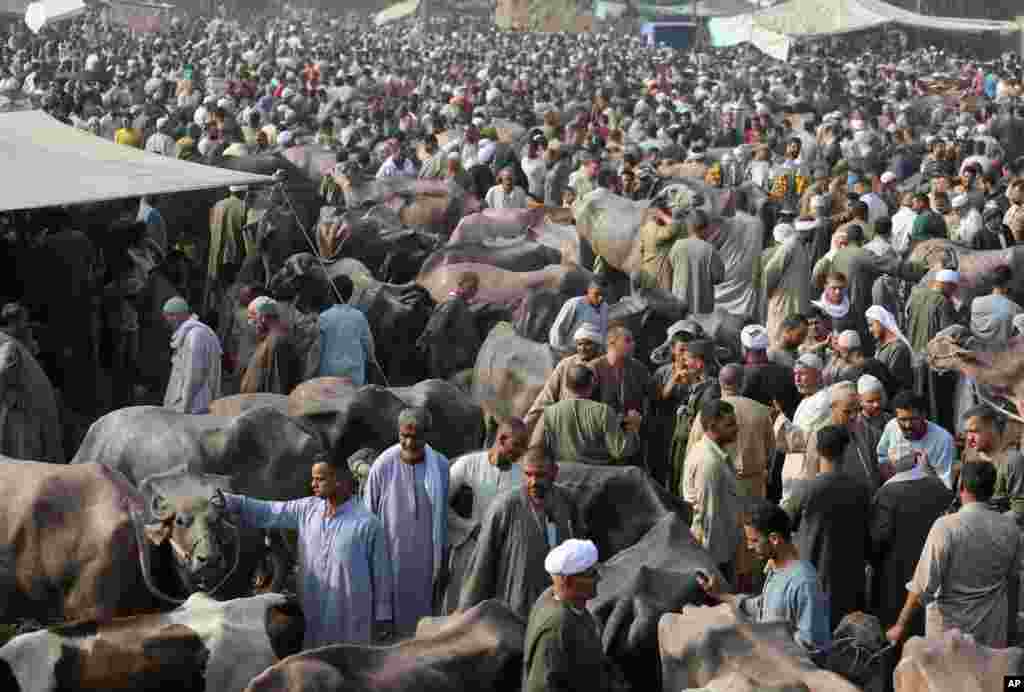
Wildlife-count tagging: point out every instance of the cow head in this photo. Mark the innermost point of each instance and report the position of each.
(186, 510)
(290, 279)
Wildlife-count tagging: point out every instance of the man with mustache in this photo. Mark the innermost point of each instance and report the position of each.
(521, 527)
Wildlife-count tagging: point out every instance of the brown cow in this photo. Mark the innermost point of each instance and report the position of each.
(481, 649)
(68, 542)
(954, 663)
(703, 646)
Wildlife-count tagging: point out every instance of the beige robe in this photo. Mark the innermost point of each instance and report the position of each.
(785, 286)
(751, 453)
(798, 441)
(554, 389)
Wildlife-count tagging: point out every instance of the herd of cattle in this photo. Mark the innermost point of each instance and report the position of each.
(97, 543)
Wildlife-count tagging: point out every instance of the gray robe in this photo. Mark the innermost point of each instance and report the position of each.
(29, 419)
(508, 563)
(696, 269)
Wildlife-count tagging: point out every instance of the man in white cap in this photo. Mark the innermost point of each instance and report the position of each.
(888, 191)
(227, 244)
(517, 533)
(275, 366)
(765, 381)
(589, 342)
(590, 308)
(196, 353)
(563, 648)
(811, 414)
(161, 142)
(784, 280)
(929, 311)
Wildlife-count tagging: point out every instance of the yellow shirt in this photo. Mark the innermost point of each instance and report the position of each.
(129, 137)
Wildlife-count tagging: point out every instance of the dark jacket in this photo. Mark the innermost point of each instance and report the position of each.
(830, 515)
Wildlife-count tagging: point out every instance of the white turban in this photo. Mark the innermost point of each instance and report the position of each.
(809, 360)
(876, 313)
(572, 557)
(589, 332)
(947, 276)
(849, 339)
(783, 232)
(869, 383)
(754, 337)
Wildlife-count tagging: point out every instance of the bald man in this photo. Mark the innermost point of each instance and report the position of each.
(754, 446)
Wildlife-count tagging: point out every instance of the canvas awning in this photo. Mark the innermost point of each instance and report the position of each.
(772, 30)
(51, 164)
(396, 12)
(705, 8)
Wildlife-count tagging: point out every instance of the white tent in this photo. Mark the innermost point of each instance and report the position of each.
(50, 163)
(396, 12)
(774, 29)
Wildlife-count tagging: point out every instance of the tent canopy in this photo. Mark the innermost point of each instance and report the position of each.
(396, 12)
(705, 8)
(772, 30)
(53, 164)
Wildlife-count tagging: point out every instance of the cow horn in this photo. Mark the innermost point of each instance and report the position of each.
(147, 577)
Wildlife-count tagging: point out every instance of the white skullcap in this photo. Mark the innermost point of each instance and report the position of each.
(238, 188)
(809, 360)
(572, 557)
(869, 383)
(888, 177)
(783, 232)
(849, 339)
(263, 305)
(959, 201)
(588, 332)
(754, 337)
(806, 224)
(947, 276)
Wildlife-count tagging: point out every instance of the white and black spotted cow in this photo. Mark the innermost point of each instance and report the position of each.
(203, 646)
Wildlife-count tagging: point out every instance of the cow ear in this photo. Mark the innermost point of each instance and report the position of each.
(158, 533)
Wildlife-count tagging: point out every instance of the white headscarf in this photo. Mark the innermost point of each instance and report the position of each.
(783, 232)
(885, 318)
(869, 383)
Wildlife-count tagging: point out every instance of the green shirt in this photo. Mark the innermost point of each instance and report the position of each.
(563, 650)
(586, 431)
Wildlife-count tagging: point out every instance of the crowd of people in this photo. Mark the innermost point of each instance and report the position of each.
(830, 471)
